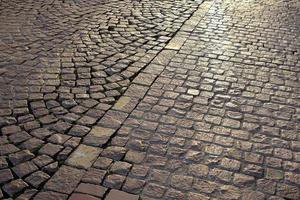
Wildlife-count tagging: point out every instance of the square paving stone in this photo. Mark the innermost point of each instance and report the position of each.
(42, 160)
(65, 180)
(77, 196)
(136, 91)
(98, 136)
(20, 157)
(14, 187)
(50, 149)
(7, 130)
(27, 194)
(32, 143)
(5, 175)
(37, 178)
(83, 156)
(8, 149)
(58, 138)
(114, 152)
(114, 181)
(133, 185)
(121, 168)
(119, 195)
(144, 79)
(48, 195)
(95, 190)
(94, 176)
(79, 130)
(113, 119)
(103, 163)
(19, 137)
(24, 169)
(126, 104)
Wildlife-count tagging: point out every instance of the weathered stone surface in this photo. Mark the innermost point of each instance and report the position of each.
(119, 195)
(135, 156)
(133, 186)
(248, 194)
(37, 178)
(48, 195)
(50, 149)
(78, 196)
(229, 192)
(114, 152)
(181, 182)
(51, 168)
(98, 136)
(114, 181)
(5, 175)
(120, 168)
(65, 180)
(288, 191)
(3, 163)
(154, 190)
(41, 133)
(144, 79)
(8, 149)
(126, 104)
(83, 156)
(267, 186)
(176, 43)
(174, 194)
(27, 194)
(32, 144)
(103, 163)
(135, 90)
(58, 138)
(7, 130)
(241, 179)
(24, 169)
(79, 130)
(20, 156)
(63, 155)
(14, 187)
(94, 176)
(196, 196)
(94, 190)
(198, 170)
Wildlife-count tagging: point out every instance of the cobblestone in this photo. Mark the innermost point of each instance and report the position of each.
(64, 180)
(83, 156)
(149, 99)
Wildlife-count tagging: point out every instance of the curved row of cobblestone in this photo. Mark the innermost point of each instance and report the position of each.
(63, 64)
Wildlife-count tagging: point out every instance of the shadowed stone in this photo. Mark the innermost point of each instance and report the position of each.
(5, 175)
(65, 180)
(37, 178)
(24, 169)
(20, 157)
(14, 187)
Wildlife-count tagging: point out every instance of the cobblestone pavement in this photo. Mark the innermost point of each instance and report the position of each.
(150, 99)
